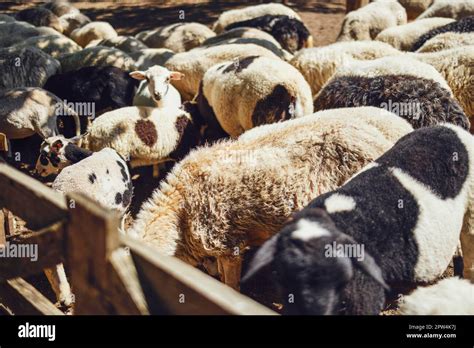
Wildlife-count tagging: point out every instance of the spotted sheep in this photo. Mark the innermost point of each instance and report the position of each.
(221, 199)
(391, 81)
(156, 89)
(142, 135)
(408, 209)
(238, 95)
(368, 21)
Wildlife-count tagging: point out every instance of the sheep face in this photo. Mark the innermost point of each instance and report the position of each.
(56, 153)
(292, 35)
(159, 79)
(307, 266)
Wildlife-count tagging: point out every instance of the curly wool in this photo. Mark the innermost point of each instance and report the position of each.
(447, 41)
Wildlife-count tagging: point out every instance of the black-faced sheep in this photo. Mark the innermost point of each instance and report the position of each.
(238, 95)
(93, 31)
(368, 21)
(195, 63)
(25, 67)
(246, 13)
(450, 296)
(403, 37)
(220, 199)
(179, 37)
(465, 25)
(96, 89)
(40, 17)
(448, 8)
(97, 56)
(411, 89)
(290, 33)
(397, 222)
(143, 135)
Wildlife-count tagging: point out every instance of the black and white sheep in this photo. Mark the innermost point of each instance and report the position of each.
(407, 87)
(450, 296)
(40, 17)
(238, 95)
(448, 8)
(397, 222)
(465, 25)
(25, 67)
(290, 32)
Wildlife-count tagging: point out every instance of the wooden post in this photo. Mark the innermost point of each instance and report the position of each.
(352, 5)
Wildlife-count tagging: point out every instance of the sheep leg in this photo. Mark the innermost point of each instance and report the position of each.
(467, 245)
(230, 270)
(60, 285)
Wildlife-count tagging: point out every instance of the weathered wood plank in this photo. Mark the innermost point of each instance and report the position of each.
(49, 244)
(21, 298)
(3, 143)
(38, 205)
(3, 234)
(183, 289)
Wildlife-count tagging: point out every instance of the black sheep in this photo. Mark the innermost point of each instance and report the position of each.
(289, 32)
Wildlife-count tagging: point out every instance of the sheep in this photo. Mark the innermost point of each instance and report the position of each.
(195, 63)
(73, 21)
(221, 199)
(40, 16)
(53, 45)
(367, 22)
(101, 88)
(156, 89)
(465, 25)
(14, 32)
(409, 88)
(318, 64)
(242, 14)
(457, 67)
(178, 37)
(93, 31)
(404, 36)
(396, 223)
(25, 67)
(143, 135)
(127, 44)
(415, 7)
(450, 296)
(248, 35)
(238, 95)
(148, 57)
(102, 176)
(290, 33)
(28, 111)
(61, 8)
(451, 9)
(97, 56)
(446, 41)
(6, 18)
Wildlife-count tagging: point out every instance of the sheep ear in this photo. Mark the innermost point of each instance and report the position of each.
(138, 75)
(263, 257)
(370, 267)
(175, 75)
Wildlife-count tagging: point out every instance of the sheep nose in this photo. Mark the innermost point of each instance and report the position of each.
(157, 95)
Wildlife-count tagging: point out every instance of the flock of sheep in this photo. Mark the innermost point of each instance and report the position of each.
(350, 167)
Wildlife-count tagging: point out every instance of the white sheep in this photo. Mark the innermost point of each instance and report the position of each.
(178, 37)
(28, 111)
(318, 64)
(156, 89)
(127, 44)
(448, 8)
(195, 63)
(93, 31)
(450, 296)
(143, 135)
(222, 199)
(368, 21)
(238, 95)
(404, 36)
(53, 45)
(60, 7)
(97, 56)
(73, 21)
(25, 67)
(446, 41)
(148, 57)
(242, 14)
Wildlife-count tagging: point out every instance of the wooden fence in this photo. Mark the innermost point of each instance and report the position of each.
(109, 273)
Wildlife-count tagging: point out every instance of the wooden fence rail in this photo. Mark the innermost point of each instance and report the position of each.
(109, 273)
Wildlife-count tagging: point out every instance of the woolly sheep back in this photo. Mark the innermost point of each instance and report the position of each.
(448, 8)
